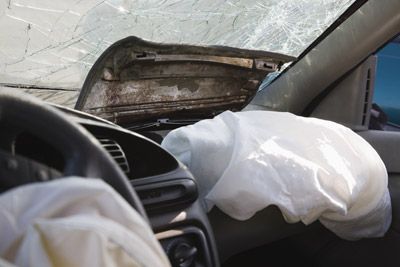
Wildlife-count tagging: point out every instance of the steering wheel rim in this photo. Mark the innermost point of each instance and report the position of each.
(84, 156)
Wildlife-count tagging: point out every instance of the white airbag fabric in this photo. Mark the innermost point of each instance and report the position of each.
(310, 168)
(74, 222)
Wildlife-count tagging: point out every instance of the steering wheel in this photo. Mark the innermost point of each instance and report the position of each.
(83, 154)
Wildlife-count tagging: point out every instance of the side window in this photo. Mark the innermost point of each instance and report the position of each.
(386, 109)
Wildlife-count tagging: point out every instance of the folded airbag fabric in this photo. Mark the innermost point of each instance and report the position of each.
(312, 169)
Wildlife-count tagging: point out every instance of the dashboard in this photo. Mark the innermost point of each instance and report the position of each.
(169, 194)
(166, 188)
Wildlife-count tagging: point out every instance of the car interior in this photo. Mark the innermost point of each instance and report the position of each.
(332, 80)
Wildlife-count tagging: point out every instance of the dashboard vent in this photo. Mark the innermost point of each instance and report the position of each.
(116, 152)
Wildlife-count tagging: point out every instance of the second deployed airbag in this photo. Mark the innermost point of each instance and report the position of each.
(310, 168)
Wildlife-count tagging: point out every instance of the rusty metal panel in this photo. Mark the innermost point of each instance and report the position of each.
(135, 80)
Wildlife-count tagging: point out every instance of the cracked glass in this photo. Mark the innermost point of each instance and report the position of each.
(53, 43)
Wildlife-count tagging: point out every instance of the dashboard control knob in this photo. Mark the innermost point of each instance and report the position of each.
(183, 255)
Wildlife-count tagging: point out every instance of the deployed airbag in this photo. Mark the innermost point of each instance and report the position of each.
(311, 169)
(74, 222)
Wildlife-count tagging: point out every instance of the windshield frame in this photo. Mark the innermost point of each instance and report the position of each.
(341, 19)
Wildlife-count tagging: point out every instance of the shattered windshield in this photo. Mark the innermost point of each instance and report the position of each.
(54, 43)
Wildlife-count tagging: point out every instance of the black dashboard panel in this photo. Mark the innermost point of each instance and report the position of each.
(168, 192)
(167, 189)
(144, 157)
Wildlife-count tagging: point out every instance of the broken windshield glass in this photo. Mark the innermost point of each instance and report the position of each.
(54, 43)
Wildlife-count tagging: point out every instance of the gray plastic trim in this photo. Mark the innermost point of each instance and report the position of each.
(370, 27)
(349, 103)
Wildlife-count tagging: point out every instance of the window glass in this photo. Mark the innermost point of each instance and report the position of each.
(54, 43)
(387, 83)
